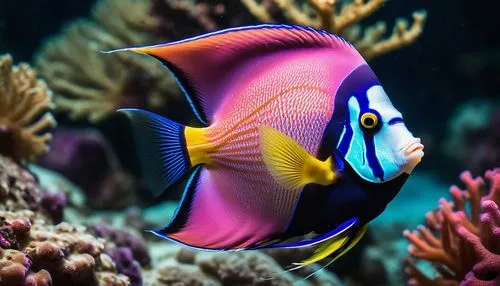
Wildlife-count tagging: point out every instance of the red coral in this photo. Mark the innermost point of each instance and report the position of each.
(467, 250)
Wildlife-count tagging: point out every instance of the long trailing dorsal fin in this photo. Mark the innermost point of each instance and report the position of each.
(205, 65)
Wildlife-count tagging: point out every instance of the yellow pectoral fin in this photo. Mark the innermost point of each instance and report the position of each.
(290, 164)
(330, 246)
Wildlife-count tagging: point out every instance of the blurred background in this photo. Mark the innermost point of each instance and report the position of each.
(445, 80)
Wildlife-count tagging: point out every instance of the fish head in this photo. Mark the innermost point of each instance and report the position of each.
(372, 136)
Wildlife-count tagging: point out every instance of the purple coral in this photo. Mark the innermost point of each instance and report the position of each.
(53, 203)
(127, 250)
(468, 247)
(126, 264)
(121, 238)
(86, 158)
(486, 247)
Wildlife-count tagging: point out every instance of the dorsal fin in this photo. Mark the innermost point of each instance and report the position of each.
(204, 65)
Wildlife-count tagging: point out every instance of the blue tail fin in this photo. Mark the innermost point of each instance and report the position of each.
(161, 148)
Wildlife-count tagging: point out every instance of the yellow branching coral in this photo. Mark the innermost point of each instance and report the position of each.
(24, 117)
(342, 18)
(91, 85)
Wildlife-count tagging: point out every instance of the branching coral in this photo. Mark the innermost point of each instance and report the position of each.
(91, 85)
(25, 103)
(341, 17)
(467, 248)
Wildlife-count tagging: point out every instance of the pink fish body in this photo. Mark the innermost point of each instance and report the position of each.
(300, 106)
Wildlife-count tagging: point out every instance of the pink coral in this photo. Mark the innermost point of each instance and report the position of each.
(467, 250)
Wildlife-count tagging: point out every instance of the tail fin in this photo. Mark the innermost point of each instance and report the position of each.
(161, 148)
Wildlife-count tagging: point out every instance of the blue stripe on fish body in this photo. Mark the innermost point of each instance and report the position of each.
(371, 156)
(345, 139)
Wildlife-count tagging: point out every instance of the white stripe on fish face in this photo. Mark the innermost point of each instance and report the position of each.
(356, 154)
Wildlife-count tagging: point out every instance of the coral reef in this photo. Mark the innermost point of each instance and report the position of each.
(67, 255)
(467, 249)
(25, 104)
(18, 189)
(86, 158)
(91, 85)
(175, 265)
(53, 203)
(33, 251)
(473, 136)
(341, 17)
(127, 265)
(122, 238)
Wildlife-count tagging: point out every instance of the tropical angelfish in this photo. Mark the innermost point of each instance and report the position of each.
(301, 144)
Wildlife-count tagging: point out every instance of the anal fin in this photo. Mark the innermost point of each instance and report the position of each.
(338, 246)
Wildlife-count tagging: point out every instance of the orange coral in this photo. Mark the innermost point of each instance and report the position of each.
(25, 103)
(468, 245)
(341, 17)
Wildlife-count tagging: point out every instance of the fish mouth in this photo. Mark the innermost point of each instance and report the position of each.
(413, 148)
(412, 154)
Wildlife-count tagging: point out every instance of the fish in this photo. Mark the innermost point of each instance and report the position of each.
(299, 146)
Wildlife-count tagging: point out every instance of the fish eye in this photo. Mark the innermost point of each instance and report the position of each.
(369, 120)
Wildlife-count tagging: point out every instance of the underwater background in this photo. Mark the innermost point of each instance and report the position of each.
(74, 207)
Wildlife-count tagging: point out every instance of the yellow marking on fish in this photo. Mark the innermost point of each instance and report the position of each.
(197, 145)
(290, 164)
(330, 246)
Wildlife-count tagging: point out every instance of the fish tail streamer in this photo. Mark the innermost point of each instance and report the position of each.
(161, 145)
